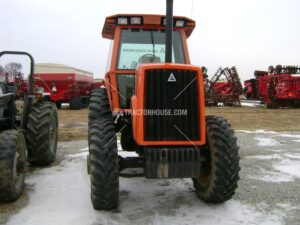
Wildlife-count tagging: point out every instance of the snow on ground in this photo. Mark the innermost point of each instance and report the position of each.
(265, 157)
(61, 195)
(272, 176)
(266, 141)
(286, 165)
(289, 135)
(256, 132)
(250, 103)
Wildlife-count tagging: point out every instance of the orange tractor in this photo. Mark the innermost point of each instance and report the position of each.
(154, 98)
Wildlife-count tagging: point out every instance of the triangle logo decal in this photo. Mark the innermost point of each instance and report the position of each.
(171, 78)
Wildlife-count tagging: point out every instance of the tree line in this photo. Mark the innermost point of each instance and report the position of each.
(11, 67)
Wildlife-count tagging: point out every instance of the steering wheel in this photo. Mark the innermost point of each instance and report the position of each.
(147, 58)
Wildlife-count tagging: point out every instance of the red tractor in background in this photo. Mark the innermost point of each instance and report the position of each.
(224, 87)
(15, 83)
(154, 98)
(279, 87)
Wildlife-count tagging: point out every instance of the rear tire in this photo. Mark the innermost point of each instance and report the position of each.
(220, 172)
(103, 153)
(12, 165)
(42, 134)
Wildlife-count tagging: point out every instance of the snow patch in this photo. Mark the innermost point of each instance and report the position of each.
(289, 135)
(266, 141)
(292, 156)
(247, 104)
(265, 157)
(127, 154)
(78, 155)
(291, 167)
(256, 132)
(273, 177)
(83, 150)
(61, 195)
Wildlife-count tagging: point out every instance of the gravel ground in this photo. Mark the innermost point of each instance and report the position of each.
(268, 193)
(263, 183)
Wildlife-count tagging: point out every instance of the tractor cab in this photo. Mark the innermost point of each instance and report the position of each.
(137, 40)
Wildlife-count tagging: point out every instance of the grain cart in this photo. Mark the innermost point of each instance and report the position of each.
(154, 98)
(30, 136)
(64, 84)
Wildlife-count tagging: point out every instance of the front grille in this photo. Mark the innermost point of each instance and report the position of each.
(164, 95)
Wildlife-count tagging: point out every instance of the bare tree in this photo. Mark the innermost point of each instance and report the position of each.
(13, 67)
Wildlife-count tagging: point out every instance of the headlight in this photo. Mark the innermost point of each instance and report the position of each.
(135, 20)
(122, 21)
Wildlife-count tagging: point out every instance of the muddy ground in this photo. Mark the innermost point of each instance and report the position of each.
(73, 124)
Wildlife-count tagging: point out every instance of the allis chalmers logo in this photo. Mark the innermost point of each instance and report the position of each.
(171, 78)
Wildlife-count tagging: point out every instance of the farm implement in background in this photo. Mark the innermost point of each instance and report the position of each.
(277, 87)
(14, 83)
(223, 88)
(64, 84)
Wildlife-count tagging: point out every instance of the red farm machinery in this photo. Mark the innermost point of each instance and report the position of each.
(224, 87)
(279, 87)
(64, 84)
(154, 98)
(15, 83)
(28, 134)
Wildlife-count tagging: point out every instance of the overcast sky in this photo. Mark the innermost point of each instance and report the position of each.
(250, 34)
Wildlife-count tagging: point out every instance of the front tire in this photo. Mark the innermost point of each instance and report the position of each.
(12, 165)
(42, 134)
(103, 153)
(220, 170)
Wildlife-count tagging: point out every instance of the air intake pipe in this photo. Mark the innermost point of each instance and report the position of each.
(169, 31)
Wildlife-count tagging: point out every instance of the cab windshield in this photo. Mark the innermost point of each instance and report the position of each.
(139, 46)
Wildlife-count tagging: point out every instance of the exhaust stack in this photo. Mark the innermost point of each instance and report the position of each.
(169, 31)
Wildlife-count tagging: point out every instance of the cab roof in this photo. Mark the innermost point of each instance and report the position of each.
(111, 22)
